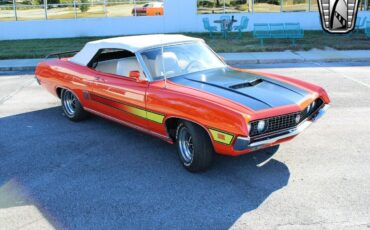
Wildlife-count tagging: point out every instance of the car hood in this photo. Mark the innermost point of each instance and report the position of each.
(251, 90)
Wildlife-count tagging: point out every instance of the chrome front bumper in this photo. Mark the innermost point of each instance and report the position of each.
(243, 143)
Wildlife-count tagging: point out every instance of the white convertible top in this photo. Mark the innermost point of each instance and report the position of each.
(130, 43)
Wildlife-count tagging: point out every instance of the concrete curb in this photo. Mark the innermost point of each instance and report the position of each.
(19, 64)
(297, 57)
(240, 58)
(25, 68)
(241, 62)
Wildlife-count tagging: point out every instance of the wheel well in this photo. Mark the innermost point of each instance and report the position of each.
(172, 123)
(171, 126)
(59, 92)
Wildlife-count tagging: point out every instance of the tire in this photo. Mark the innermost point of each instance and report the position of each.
(72, 107)
(194, 147)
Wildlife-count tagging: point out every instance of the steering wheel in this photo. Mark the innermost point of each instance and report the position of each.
(193, 64)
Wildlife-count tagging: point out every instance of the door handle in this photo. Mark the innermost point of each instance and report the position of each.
(99, 79)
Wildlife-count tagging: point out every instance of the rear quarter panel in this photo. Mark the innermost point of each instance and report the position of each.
(64, 74)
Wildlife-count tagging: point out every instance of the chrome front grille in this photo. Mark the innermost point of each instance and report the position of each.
(286, 121)
(276, 123)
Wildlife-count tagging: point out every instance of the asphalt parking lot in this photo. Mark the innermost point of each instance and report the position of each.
(100, 175)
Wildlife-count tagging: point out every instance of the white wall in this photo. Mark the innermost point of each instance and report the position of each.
(180, 16)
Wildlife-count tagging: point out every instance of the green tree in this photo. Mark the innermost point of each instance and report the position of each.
(84, 7)
(41, 2)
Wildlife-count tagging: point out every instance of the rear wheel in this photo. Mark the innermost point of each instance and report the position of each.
(72, 107)
(194, 147)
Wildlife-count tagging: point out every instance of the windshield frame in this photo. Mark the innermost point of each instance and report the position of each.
(148, 73)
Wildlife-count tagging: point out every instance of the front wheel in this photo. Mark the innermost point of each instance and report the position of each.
(72, 107)
(194, 147)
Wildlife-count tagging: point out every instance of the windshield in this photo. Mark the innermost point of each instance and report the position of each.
(180, 59)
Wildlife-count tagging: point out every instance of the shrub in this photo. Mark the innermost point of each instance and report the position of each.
(41, 2)
(27, 2)
(243, 8)
(84, 7)
(205, 3)
(274, 2)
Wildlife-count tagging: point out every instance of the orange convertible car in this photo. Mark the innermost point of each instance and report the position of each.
(176, 88)
(149, 9)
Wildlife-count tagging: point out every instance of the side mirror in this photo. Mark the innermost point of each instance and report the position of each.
(135, 74)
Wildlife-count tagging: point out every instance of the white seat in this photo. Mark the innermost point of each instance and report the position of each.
(171, 64)
(107, 66)
(126, 65)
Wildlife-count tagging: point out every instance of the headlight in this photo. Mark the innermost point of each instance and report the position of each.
(261, 126)
(249, 127)
(297, 118)
(308, 108)
(313, 105)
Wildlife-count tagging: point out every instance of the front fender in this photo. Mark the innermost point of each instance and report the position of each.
(222, 124)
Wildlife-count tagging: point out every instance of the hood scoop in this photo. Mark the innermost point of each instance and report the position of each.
(246, 84)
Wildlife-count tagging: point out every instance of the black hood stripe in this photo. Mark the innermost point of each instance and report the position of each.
(234, 91)
(268, 93)
(284, 85)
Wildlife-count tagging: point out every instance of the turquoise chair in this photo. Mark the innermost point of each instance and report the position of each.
(207, 26)
(243, 25)
(367, 29)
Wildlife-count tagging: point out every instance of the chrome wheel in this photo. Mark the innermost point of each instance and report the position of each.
(185, 145)
(69, 103)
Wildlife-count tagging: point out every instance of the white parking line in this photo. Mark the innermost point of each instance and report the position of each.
(343, 75)
(10, 95)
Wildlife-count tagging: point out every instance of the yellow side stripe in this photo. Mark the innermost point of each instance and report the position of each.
(154, 117)
(221, 137)
(136, 111)
(146, 114)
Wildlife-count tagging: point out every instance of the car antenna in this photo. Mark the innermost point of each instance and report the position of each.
(162, 51)
(163, 68)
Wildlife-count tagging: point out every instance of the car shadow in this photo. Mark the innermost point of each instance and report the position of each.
(97, 174)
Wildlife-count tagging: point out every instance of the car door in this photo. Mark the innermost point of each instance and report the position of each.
(118, 95)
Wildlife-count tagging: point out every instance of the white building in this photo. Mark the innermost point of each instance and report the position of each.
(111, 17)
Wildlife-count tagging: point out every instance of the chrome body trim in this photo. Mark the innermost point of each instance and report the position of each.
(166, 138)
